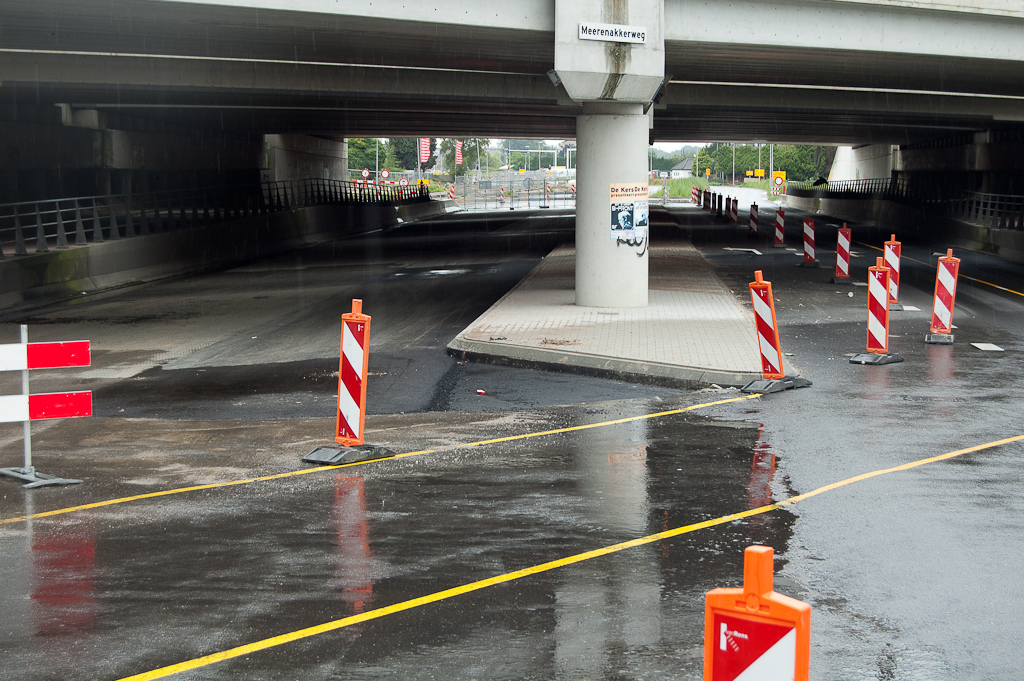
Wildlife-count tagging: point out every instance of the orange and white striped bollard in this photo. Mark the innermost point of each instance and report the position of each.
(945, 296)
(809, 254)
(767, 327)
(892, 261)
(780, 227)
(753, 219)
(878, 308)
(355, 358)
(843, 241)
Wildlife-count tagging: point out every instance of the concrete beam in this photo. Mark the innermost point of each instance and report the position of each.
(847, 26)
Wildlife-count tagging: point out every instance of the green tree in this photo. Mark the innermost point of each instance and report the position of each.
(469, 154)
(362, 153)
(704, 160)
(407, 150)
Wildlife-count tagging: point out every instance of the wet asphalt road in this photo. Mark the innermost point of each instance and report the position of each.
(213, 378)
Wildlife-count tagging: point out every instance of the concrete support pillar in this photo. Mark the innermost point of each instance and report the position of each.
(612, 147)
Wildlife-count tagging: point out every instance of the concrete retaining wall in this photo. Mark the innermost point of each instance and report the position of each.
(60, 275)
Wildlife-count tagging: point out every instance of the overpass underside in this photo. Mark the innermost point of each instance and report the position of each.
(99, 98)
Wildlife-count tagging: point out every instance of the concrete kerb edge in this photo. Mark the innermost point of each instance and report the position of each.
(632, 371)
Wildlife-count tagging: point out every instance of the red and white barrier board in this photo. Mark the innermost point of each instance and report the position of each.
(694, 194)
(21, 356)
(355, 337)
(945, 293)
(27, 407)
(18, 408)
(753, 219)
(878, 308)
(734, 214)
(892, 261)
(843, 252)
(767, 327)
(753, 633)
(451, 192)
(780, 227)
(808, 241)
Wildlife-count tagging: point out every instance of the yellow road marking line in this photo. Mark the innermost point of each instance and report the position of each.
(963, 276)
(333, 625)
(318, 469)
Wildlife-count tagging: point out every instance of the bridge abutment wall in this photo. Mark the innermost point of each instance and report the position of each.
(61, 275)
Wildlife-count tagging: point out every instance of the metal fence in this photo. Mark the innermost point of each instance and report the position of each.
(1000, 211)
(38, 226)
(512, 190)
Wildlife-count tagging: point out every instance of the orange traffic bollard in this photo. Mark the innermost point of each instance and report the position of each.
(843, 240)
(355, 358)
(767, 327)
(878, 307)
(892, 261)
(878, 319)
(945, 295)
(753, 632)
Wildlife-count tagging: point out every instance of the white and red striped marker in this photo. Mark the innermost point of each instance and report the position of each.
(18, 408)
(808, 241)
(753, 219)
(780, 227)
(753, 633)
(355, 358)
(27, 407)
(21, 356)
(843, 241)
(734, 214)
(501, 193)
(27, 356)
(547, 192)
(892, 261)
(767, 327)
(451, 192)
(694, 194)
(945, 293)
(707, 199)
(878, 308)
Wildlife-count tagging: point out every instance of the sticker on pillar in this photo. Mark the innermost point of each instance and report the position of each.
(629, 211)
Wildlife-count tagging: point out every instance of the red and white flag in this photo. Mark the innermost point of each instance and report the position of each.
(424, 149)
(458, 152)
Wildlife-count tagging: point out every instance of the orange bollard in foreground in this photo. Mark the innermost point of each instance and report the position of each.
(753, 632)
(355, 357)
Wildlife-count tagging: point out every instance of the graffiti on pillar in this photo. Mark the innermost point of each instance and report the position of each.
(630, 215)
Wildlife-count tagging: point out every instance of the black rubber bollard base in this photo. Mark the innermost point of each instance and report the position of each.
(939, 338)
(766, 386)
(338, 455)
(876, 359)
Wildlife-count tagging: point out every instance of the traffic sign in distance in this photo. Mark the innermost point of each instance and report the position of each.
(404, 182)
(385, 173)
(365, 172)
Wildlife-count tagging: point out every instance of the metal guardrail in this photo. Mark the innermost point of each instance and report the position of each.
(1000, 211)
(37, 226)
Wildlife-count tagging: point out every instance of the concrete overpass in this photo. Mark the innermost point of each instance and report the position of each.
(827, 71)
(169, 93)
